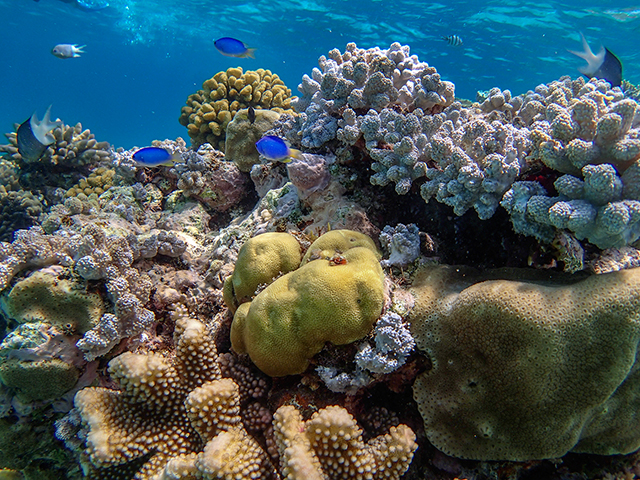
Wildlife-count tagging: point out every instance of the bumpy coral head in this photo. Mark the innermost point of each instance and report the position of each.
(334, 298)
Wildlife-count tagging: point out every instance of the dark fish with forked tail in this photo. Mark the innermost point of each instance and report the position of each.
(34, 137)
(604, 64)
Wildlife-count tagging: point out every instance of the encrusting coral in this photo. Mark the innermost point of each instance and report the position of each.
(46, 295)
(527, 369)
(329, 446)
(335, 296)
(209, 111)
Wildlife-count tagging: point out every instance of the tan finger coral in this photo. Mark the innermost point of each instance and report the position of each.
(528, 368)
(329, 446)
(209, 111)
(148, 414)
(177, 419)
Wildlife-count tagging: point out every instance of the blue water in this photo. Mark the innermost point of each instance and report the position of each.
(143, 57)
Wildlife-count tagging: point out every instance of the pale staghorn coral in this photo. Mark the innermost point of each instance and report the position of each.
(361, 80)
(329, 446)
(525, 367)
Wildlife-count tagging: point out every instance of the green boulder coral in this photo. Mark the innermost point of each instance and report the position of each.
(39, 380)
(242, 135)
(526, 368)
(46, 296)
(260, 260)
(333, 298)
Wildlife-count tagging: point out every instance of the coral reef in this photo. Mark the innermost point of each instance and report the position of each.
(527, 369)
(232, 317)
(336, 295)
(97, 183)
(209, 111)
(330, 445)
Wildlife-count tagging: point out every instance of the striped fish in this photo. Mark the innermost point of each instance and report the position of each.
(453, 40)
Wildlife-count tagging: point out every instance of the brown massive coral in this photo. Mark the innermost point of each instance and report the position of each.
(528, 368)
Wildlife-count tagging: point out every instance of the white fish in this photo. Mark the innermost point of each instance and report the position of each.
(453, 40)
(603, 64)
(66, 50)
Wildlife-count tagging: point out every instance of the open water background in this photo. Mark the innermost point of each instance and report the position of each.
(144, 57)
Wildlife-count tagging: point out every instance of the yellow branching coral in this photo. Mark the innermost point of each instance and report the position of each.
(168, 411)
(171, 419)
(329, 446)
(97, 182)
(209, 111)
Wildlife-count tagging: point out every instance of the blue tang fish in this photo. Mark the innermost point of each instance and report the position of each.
(275, 149)
(33, 136)
(233, 48)
(604, 64)
(66, 50)
(154, 157)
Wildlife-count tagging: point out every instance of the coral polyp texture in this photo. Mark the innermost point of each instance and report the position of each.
(524, 368)
(335, 296)
(590, 133)
(209, 111)
(47, 296)
(179, 417)
(330, 446)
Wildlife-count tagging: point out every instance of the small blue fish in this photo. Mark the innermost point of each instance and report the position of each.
(275, 149)
(67, 50)
(453, 40)
(33, 136)
(233, 48)
(155, 157)
(604, 64)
